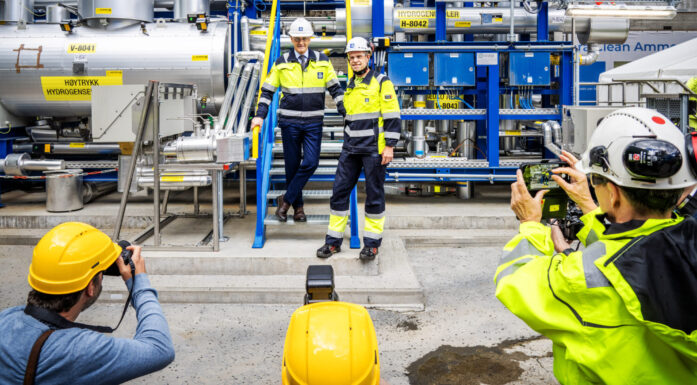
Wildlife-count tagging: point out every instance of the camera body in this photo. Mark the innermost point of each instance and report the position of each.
(126, 255)
(319, 284)
(538, 176)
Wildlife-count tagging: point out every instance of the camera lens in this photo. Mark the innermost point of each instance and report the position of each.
(126, 255)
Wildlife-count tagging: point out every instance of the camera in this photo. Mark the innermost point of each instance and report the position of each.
(319, 284)
(126, 255)
(538, 176)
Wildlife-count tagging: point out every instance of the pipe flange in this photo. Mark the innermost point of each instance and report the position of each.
(13, 164)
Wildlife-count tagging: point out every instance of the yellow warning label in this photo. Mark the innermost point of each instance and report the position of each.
(446, 102)
(258, 32)
(437, 156)
(102, 11)
(553, 208)
(436, 188)
(114, 73)
(47, 148)
(361, 2)
(419, 104)
(172, 178)
(76, 145)
(81, 48)
(62, 88)
(463, 24)
(512, 132)
(199, 58)
(415, 14)
(497, 20)
(325, 38)
(413, 23)
(427, 13)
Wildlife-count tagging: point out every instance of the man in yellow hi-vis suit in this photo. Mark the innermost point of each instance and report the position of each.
(303, 76)
(372, 130)
(692, 85)
(623, 309)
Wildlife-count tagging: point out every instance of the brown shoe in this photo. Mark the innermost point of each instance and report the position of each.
(299, 215)
(282, 209)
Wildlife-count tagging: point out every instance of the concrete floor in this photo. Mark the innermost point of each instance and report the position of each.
(243, 344)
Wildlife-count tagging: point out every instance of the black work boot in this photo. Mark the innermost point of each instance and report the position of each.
(282, 209)
(368, 253)
(299, 215)
(327, 251)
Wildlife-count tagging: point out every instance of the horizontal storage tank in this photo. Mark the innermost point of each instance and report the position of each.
(48, 72)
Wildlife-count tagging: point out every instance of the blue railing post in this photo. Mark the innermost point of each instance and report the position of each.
(353, 217)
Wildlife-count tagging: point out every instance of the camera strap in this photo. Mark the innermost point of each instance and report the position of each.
(58, 322)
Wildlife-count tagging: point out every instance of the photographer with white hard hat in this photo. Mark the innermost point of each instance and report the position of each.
(622, 310)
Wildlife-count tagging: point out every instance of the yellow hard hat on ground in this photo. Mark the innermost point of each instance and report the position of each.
(69, 256)
(331, 343)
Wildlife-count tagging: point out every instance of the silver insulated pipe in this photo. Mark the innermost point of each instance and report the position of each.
(249, 98)
(237, 99)
(549, 128)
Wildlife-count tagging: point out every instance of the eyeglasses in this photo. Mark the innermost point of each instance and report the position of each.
(597, 180)
(301, 39)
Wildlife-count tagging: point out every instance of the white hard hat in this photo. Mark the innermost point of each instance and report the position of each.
(357, 44)
(300, 27)
(639, 148)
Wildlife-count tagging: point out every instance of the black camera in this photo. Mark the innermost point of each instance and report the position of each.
(126, 255)
(319, 284)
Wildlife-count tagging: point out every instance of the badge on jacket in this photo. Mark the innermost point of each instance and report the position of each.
(320, 75)
(388, 97)
(367, 100)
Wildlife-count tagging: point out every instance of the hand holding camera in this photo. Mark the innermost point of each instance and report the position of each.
(576, 184)
(128, 263)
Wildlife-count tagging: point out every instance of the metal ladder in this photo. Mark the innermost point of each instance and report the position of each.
(276, 174)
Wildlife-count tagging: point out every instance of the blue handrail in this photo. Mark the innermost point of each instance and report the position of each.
(266, 143)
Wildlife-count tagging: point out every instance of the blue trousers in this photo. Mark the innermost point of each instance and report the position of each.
(301, 146)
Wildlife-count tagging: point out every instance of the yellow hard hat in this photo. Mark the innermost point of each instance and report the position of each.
(69, 256)
(331, 343)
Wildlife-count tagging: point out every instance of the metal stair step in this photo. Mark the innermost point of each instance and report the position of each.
(333, 147)
(322, 163)
(325, 129)
(312, 219)
(319, 171)
(307, 194)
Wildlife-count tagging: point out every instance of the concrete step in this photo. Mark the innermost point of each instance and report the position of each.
(312, 219)
(263, 264)
(307, 194)
(395, 287)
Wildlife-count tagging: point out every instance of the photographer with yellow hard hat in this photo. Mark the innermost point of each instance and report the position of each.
(42, 343)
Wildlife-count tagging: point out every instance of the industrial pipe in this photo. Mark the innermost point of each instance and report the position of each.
(249, 99)
(18, 163)
(418, 137)
(74, 148)
(592, 55)
(249, 55)
(229, 93)
(548, 129)
(244, 29)
(490, 177)
(237, 100)
(319, 43)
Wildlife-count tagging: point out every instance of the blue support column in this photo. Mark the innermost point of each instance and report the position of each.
(440, 21)
(378, 18)
(567, 78)
(492, 114)
(543, 22)
(353, 217)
